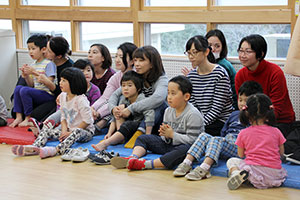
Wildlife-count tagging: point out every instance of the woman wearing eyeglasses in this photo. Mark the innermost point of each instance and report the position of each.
(212, 93)
(217, 42)
(252, 51)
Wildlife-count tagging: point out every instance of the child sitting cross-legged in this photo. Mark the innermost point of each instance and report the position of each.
(76, 118)
(122, 129)
(181, 125)
(215, 147)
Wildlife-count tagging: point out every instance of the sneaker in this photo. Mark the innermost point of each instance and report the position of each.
(182, 170)
(136, 164)
(103, 157)
(80, 155)
(120, 162)
(68, 155)
(236, 179)
(50, 124)
(197, 174)
(25, 150)
(36, 125)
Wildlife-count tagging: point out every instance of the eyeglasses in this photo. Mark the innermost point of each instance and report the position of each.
(246, 52)
(189, 53)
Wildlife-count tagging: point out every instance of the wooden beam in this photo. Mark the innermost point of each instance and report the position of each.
(224, 16)
(138, 28)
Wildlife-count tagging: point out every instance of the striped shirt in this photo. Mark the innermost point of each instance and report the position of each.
(212, 94)
(3, 110)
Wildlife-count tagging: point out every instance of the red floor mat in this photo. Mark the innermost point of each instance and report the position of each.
(16, 135)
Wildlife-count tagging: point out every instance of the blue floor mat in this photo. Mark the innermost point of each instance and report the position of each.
(292, 181)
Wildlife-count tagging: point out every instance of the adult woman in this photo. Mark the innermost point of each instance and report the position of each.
(57, 51)
(252, 51)
(217, 42)
(124, 63)
(100, 57)
(147, 62)
(212, 93)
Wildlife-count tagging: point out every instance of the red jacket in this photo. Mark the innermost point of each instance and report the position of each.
(273, 82)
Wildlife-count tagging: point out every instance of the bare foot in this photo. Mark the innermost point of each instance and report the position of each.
(16, 122)
(100, 146)
(24, 123)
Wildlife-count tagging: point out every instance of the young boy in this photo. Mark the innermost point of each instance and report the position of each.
(131, 84)
(3, 112)
(214, 147)
(181, 125)
(36, 92)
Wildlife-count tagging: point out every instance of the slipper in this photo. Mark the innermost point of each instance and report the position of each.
(25, 150)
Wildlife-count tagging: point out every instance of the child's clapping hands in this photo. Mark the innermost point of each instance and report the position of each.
(166, 131)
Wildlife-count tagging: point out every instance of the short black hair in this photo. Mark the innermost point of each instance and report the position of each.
(136, 78)
(219, 34)
(60, 46)
(259, 106)
(250, 87)
(76, 78)
(127, 48)
(82, 63)
(258, 45)
(105, 53)
(38, 40)
(201, 44)
(185, 85)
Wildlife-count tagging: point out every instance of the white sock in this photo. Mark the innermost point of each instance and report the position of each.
(187, 161)
(205, 166)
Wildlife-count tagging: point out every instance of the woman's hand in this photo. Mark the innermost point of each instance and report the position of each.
(185, 71)
(95, 113)
(125, 113)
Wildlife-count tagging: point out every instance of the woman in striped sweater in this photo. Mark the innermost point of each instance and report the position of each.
(212, 93)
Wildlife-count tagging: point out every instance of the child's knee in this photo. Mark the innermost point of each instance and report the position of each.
(233, 162)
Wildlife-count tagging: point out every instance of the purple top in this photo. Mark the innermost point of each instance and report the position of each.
(93, 94)
(101, 82)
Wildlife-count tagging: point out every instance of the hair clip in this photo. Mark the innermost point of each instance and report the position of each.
(245, 107)
(271, 107)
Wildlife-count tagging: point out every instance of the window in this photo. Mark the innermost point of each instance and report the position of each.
(46, 27)
(4, 2)
(175, 3)
(109, 34)
(46, 2)
(171, 38)
(277, 37)
(250, 2)
(5, 24)
(105, 3)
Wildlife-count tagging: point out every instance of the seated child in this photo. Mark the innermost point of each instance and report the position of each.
(76, 118)
(261, 146)
(122, 129)
(3, 112)
(92, 94)
(181, 125)
(36, 93)
(214, 147)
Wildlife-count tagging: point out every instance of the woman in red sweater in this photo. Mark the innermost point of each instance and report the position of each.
(252, 51)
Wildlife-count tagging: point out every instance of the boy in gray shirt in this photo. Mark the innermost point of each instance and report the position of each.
(181, 126)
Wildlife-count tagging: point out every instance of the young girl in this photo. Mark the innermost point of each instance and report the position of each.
(217, 42)
(100, 57)
(124, 63)
(122, 129)
(260, 144)
(147, 62)
(212, 93)
(92, 94)
(76, 119)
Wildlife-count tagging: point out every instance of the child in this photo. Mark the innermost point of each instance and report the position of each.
(131, 84)
(37, 92)
(260, 144)
(92, 94)
(214, 147)
(181, 125)
(76, 118)
(3, 112)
